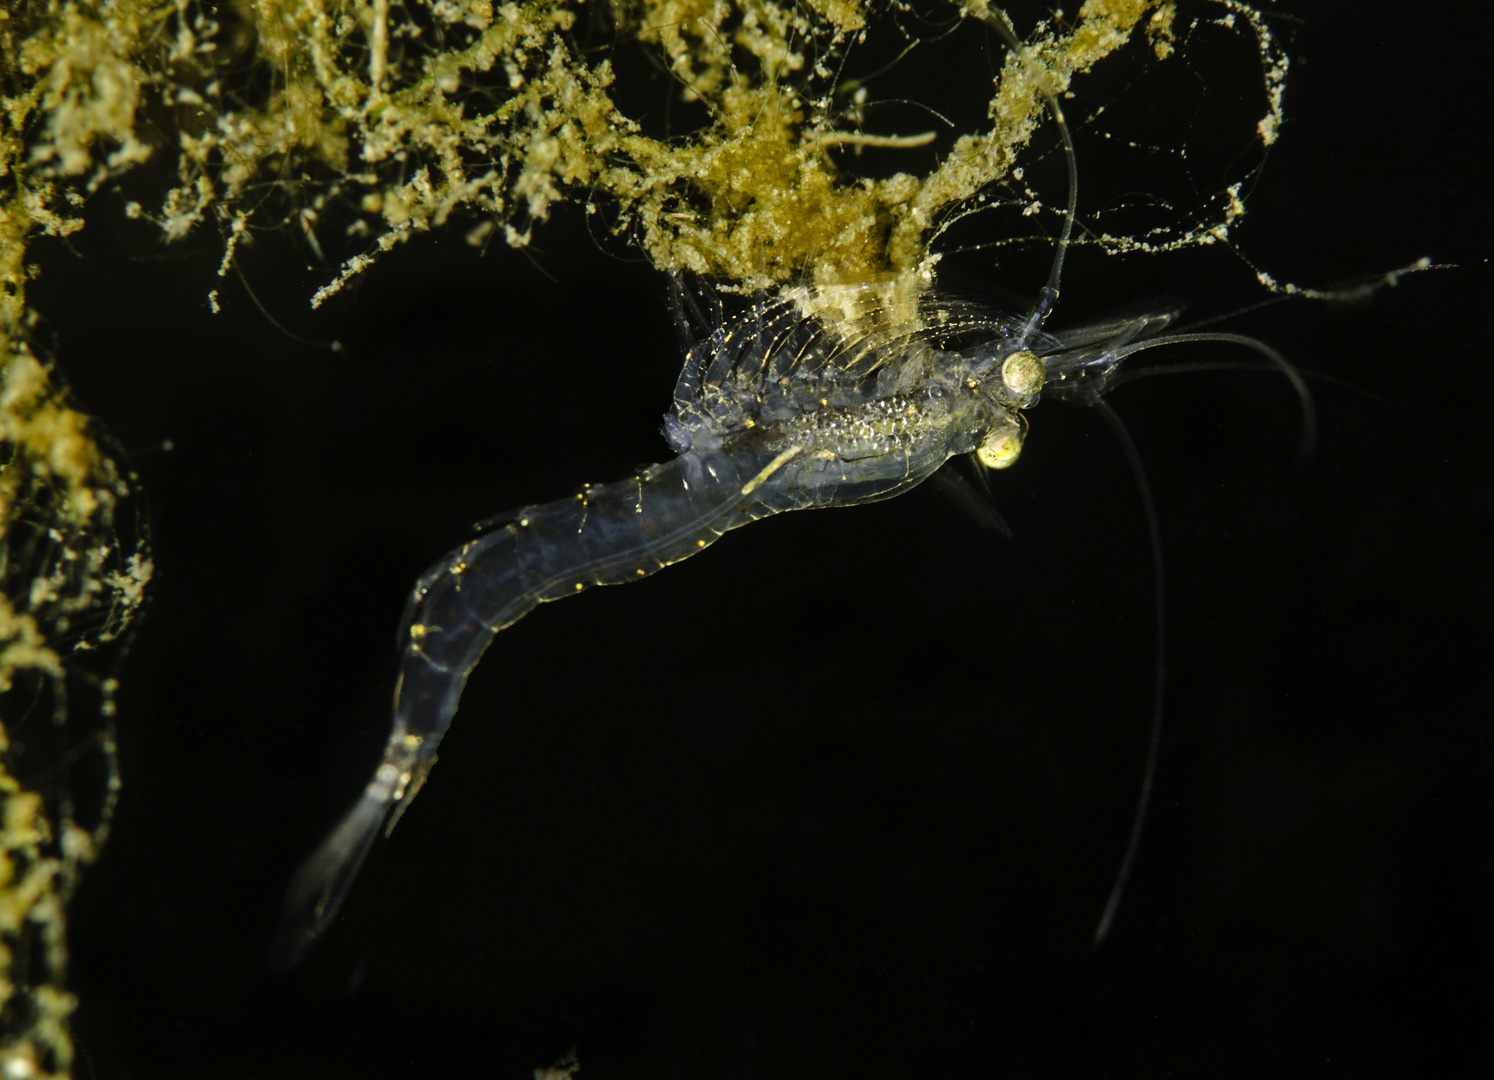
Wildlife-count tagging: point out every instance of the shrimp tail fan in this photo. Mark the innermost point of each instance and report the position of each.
(322, 882)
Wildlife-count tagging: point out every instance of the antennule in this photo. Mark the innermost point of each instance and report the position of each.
(1039, 76)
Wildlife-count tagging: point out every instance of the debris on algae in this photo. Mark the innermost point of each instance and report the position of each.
(384, 119)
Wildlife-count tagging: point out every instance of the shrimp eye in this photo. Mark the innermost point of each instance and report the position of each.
(1000, 448)
(1022, 374)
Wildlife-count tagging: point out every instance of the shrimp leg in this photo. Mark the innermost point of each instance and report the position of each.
(604, 535)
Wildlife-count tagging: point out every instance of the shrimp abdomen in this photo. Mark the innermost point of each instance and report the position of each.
(604, 535)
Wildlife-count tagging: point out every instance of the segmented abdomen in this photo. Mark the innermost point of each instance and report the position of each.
(604, 535)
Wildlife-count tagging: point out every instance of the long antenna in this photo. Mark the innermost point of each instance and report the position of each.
(1281, 363)
(1039, 76)
(1159, 689)
(1045, 302)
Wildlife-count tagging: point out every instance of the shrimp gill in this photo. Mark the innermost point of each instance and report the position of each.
(818, 396)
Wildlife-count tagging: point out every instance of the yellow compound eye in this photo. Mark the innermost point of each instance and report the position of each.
(1022, 374)
(1000, 449)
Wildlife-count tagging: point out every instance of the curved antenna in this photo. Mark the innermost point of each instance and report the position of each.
(1280, 362)
(1039, 76)
(1154, 738)
(1154, 532)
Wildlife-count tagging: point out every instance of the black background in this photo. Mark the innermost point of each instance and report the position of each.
(844, 796)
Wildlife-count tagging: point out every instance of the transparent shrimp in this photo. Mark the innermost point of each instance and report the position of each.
(816, 397)
(782, 408)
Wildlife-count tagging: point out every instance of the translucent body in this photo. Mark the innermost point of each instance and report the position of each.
(816, 398)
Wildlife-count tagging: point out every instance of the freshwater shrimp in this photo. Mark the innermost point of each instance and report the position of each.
(816, 397)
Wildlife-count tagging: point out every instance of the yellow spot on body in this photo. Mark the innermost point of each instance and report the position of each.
(699, 544)
(579, 586)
